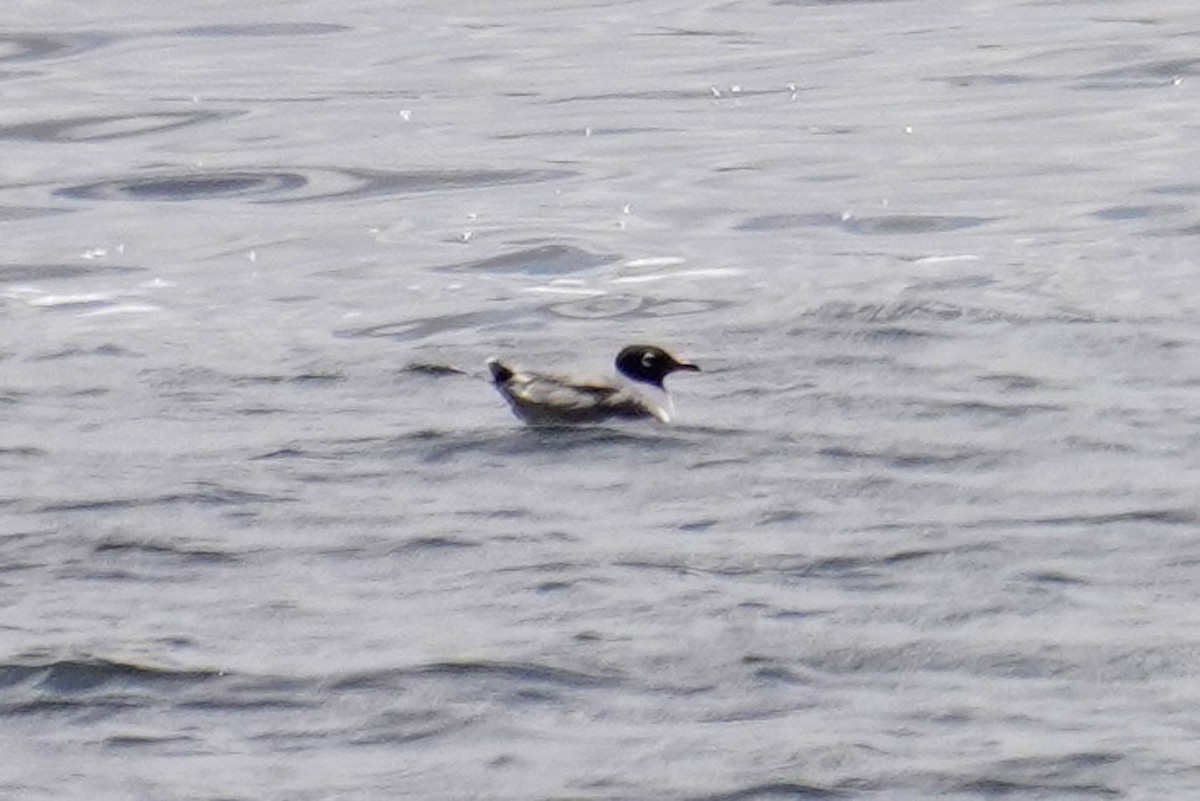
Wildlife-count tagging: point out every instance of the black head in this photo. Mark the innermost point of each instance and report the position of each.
(649, 364)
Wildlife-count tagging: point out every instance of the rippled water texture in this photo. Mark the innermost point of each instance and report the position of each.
(926, 524)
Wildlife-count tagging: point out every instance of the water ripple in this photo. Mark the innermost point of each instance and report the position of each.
(110, 126)
(265, 29)
(883, 224)
(774, 792)
(436, 447)
(71, 676)
(519, 671)
(615, 306)
(932, 311)
(295, 185)
(120, 547)
(624, 306)
(422, 327)
(13, 273)
(22, 452)
(540, 260)
(9, 213)
(23, 47)
(1004, 788)
(203, 494)
(1145, 75)
(1163, 516)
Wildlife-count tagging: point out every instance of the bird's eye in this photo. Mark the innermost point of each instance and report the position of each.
(648, 360)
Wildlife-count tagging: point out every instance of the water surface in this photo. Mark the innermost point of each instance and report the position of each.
(925, 527)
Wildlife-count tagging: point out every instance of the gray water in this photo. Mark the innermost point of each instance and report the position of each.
(926, 526)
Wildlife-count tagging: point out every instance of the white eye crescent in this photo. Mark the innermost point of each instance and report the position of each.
(648, 360)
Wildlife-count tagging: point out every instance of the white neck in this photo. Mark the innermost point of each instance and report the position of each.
(659, 396)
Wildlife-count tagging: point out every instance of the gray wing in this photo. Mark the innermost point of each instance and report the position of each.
(549, 390)
(550, 398)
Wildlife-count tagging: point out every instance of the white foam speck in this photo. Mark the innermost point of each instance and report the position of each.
(713, 272)
(564, 290)
(43, 300)
(124, 308)
(947, 259)
(654, 261)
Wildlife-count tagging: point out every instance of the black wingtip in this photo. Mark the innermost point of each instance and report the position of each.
(501, 372)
